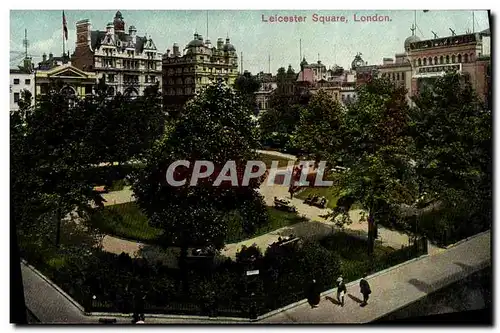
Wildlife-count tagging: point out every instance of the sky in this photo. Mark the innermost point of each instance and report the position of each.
(334, 42)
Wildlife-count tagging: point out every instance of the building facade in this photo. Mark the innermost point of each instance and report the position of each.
(127, 62)
(267, 87)
(200, 63)
(467, 54)
(20, 80)
(74, 82)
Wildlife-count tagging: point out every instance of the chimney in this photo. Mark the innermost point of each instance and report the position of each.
(220, 43)
(110, 28)
(176, 50)
(168, 53)
(44, 57)
(388, 61)
(50, 55)
(132, 31)
(83, 29)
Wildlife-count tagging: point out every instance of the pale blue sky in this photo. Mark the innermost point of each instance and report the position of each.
(335, 42)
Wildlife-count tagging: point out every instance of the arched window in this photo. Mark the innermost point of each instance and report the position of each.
(435, 60)
(471, 57)
(453, 59)
(419, 62)
(425, 61)
(131, 92)
(466, 58)
(441, 60)
(447, 59)
(459, 58)
(430, 61)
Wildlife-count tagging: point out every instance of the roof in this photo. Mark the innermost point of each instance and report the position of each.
(306, 75)
(97, 36)
(485, 32)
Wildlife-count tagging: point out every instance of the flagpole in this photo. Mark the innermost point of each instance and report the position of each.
(63, 37)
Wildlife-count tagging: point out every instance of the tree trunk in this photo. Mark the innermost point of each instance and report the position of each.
(58, 226)
(372, 233)
(183, 268)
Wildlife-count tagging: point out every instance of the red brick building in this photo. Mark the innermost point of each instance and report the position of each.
(467, 54)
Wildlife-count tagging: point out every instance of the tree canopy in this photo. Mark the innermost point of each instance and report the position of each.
(215, 126)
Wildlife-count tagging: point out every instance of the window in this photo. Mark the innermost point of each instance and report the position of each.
(27, 81)
(419, 62)
(441, 61)
(16, 81)
(453, 59)
(435, 60)
(16, 97)
(397, 76)
(447, 59)
(459, 58)
(425, 61)
(402, 76)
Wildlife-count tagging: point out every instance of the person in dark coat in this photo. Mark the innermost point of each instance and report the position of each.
(365, 290)
(341, 290)
(313, 294)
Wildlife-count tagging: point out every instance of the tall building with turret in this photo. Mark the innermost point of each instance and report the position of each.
(186, 72)
(128, 62)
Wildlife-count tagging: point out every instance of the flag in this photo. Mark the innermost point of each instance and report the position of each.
(65, 27)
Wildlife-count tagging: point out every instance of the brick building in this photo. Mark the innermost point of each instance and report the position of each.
(468, 54)
(128, 63)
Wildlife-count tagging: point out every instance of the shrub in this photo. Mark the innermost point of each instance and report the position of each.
(117, 185)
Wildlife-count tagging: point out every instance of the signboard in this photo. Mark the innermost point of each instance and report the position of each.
(255, 272)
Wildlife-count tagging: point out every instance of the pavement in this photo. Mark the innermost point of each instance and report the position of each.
(392, 289)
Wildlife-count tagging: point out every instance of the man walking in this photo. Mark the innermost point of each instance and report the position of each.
(365, 290)
(341, 290)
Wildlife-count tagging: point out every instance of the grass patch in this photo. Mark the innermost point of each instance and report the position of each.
(128, 221)
(125, 220)
(117, 185)
(267, 159)
(331, 193)
(355, 260)
(277, 219)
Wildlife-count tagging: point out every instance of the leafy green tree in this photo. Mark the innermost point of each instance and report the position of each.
(247, 84)
(379, 175)
(452, 132)
(214, 126)
(319, 129)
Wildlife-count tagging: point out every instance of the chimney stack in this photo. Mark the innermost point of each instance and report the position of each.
(176, 50)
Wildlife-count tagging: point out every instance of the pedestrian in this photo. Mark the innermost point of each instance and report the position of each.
(341, 290)
(365, 290)
(313, 294)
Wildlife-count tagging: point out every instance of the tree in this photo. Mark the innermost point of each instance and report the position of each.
(452, 134)
(379, 172)
(214, 126)
(247, 85)
(319, 128)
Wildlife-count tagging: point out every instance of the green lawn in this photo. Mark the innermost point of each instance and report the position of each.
(267, 159)
(277, 219)
(331, 193)
(355, 260)
(127, 221)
